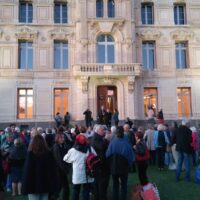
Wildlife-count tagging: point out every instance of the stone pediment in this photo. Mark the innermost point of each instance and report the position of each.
(61, 34)
(26, 32)
(182, 34)
(149, 34)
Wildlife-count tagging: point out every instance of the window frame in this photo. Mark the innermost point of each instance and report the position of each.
(27, 4)
(99, 8)
(180, 50)
(61, 18)
(177, 14)
(27, 48)
(145, 19)
(111, 12)
(147, 50)
(26, 103)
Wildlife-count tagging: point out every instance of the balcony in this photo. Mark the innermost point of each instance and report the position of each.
(88, 69)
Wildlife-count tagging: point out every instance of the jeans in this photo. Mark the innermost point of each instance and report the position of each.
(142, 172)
(187, 159)
(161, 157)
(38, 196)
(85, 191)
(122, 178)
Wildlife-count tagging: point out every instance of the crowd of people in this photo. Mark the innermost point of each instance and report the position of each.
(39, 162)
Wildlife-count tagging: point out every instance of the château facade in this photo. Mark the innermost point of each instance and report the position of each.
(70, 55)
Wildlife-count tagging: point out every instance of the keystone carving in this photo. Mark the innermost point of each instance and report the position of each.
(149, 34)
(26, 33)
(61, 34)
(182, 34)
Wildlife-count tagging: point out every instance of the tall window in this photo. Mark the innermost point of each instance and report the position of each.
(60, 55)
(181, 55)
(61, 100)
(25, 12)
(184, 102)
(147, 13)
(105, 49)
(25, 104)
(111, 8)
(179, 14)
(99, 8)
(25, 55)
(60, 13)
(150, 99)
(148, 55)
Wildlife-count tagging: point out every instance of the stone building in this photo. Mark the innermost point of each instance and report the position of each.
(70, 55)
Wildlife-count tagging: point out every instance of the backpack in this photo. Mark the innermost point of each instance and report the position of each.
(150, 193)
(92, 164)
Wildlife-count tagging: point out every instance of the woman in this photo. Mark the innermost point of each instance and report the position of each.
(59, 150)
(77, 156)
(39, 175)
(16, 161)
(115, 117)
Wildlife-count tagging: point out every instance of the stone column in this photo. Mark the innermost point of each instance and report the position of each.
(130, 97)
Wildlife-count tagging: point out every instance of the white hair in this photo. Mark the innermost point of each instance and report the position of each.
(113, 129)
(185, 122)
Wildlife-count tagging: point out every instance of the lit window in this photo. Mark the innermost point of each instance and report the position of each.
(25, 55)
(60, 13)
(147, 13)
(60, 55)
(179, 14)
(184, 102)
(181, 55)
(25, 12)
(148, 55)
(150, 99)
(99, 8)
(111, 8)
(105, 49)
(25, 104)
(61, 101)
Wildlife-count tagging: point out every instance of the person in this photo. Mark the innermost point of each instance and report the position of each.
(115, 117)
(101, 115)
(100, 145)
(148, 137)
(16, 161)
(160, 117)
(120, 155)
(67, 118)
(39, 174)
(194, 145)
(88, 118)
(108, 116)
(160, 141)
(60, 149)
(77, 156)
(183, 140)
(129, 122)
(58, 120)
(142, 157)
(150, 115)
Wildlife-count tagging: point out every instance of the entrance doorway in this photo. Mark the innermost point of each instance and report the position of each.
(107, 97)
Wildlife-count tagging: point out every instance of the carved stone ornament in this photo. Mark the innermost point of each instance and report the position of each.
(128, 42)
(61, 34)
(84, 81)
(131, 83)
(182, 34)
(25, 32)
(84, 42)
(149, 34)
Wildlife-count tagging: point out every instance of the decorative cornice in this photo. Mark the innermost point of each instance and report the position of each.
(26, 32)
(61, 34)
(149, 34)
(182, 34)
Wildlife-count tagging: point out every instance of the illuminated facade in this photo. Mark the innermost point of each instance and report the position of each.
(70, 55)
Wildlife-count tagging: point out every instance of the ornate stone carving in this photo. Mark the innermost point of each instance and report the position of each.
(128, 42)
(182, 34)
(149, 34)
(7, 37)
(84, 42)
(84, 81)
(131, 83)
(25, 32)
(61, 34)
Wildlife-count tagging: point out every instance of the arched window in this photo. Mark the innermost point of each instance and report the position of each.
(99, 8)
(105, 49)
(111, 8)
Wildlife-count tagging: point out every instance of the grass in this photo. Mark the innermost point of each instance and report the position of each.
(165, 181)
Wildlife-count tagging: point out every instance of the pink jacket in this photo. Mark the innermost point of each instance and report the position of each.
(194, 143)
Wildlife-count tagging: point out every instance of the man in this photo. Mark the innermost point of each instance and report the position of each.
(58, 119)
(88, 118)
(100, 145)
(101, 115)
(183, 139)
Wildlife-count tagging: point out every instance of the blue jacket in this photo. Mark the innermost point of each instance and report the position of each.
(120, 146)
(155, 138)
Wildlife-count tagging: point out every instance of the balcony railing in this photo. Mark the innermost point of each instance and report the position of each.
(107, 69)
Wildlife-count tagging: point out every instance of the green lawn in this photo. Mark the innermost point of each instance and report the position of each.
(165, 181)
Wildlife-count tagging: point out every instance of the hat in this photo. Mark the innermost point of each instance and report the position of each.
(81, 139)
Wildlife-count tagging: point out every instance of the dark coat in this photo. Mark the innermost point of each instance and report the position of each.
(183, 139)
(39, 175)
